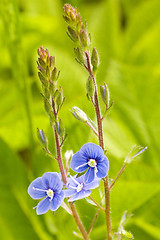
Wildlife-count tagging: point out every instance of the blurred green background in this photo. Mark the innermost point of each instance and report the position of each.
(126, 34)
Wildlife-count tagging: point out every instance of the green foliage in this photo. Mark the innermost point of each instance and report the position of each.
(126, 35)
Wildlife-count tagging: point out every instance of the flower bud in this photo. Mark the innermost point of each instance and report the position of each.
(54, 74)
(135, 152)
(90, 87)
(51, 61)
(42, 138)
(79, 114)
(60, 128)
(95, 59)
(47, 106)
(72, 34)
(104, 90)
(80, 56)
(52, 87)
(59, 97)
(43, 79)
(47, 93)
(84, 38)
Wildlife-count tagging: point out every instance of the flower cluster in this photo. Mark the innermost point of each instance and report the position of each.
(90, 161)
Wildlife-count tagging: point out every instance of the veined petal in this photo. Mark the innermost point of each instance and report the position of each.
(103, 168)
(93, 184)
(33, 189)
(80, 195)
(57, 201)
(69, 192)
(43, 206)
(89, 175)
(92, 151)
(52, 180)
(77, 161)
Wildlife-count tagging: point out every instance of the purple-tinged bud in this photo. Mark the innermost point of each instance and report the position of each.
(41, 62)
(105, 94)
(72, 34)
(90, 87)
(84, 38)
(79, 114)
(67, 19)
(51, 61)
(95, 59)
(42, 138)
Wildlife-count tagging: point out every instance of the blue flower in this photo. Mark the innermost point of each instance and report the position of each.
(91, 158)
(48, 187)
(78, 189)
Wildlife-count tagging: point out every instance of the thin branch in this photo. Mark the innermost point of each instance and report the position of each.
(98, 205)
(119, 174)
(93, 221)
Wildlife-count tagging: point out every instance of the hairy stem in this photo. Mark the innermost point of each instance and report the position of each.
(93, 221)
(101, 143)
(64, 178)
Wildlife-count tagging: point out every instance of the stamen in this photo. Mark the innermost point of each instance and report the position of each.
(74, 180)
(92, 163)
(72, 186)
(80, 187)
(38, 189)
(84, 164)
(50, 194)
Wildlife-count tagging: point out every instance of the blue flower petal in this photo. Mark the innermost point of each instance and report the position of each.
(52, 181)
(102, 168)
(92, 151)
(78, 160)
(93, 184)
(69, 192)
(89, 175)
(82, 194)
(43, 206)
(57, 201)
(33, 189)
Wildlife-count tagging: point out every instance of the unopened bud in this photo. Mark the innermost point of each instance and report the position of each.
(59, 97)
(79, 114)
(52, 87)
(104, 90)
(54, 74)
(72, 34)
(42, 138)
(47, 93)
(60, 128)
(51, 61)
(47, 106)
(80, 56)
(95, 59)
(43, 79)
(90, 87)
(135, 152)
(84, 38)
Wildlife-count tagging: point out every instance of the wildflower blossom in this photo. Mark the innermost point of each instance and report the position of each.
(78, 189)
(48, 187)
(91, 158)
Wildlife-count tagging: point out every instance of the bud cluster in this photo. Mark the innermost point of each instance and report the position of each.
(77, 31)
(53, 95)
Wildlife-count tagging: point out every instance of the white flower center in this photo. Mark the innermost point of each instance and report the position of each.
(79, 187)
(50, 194)
(92, 163)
